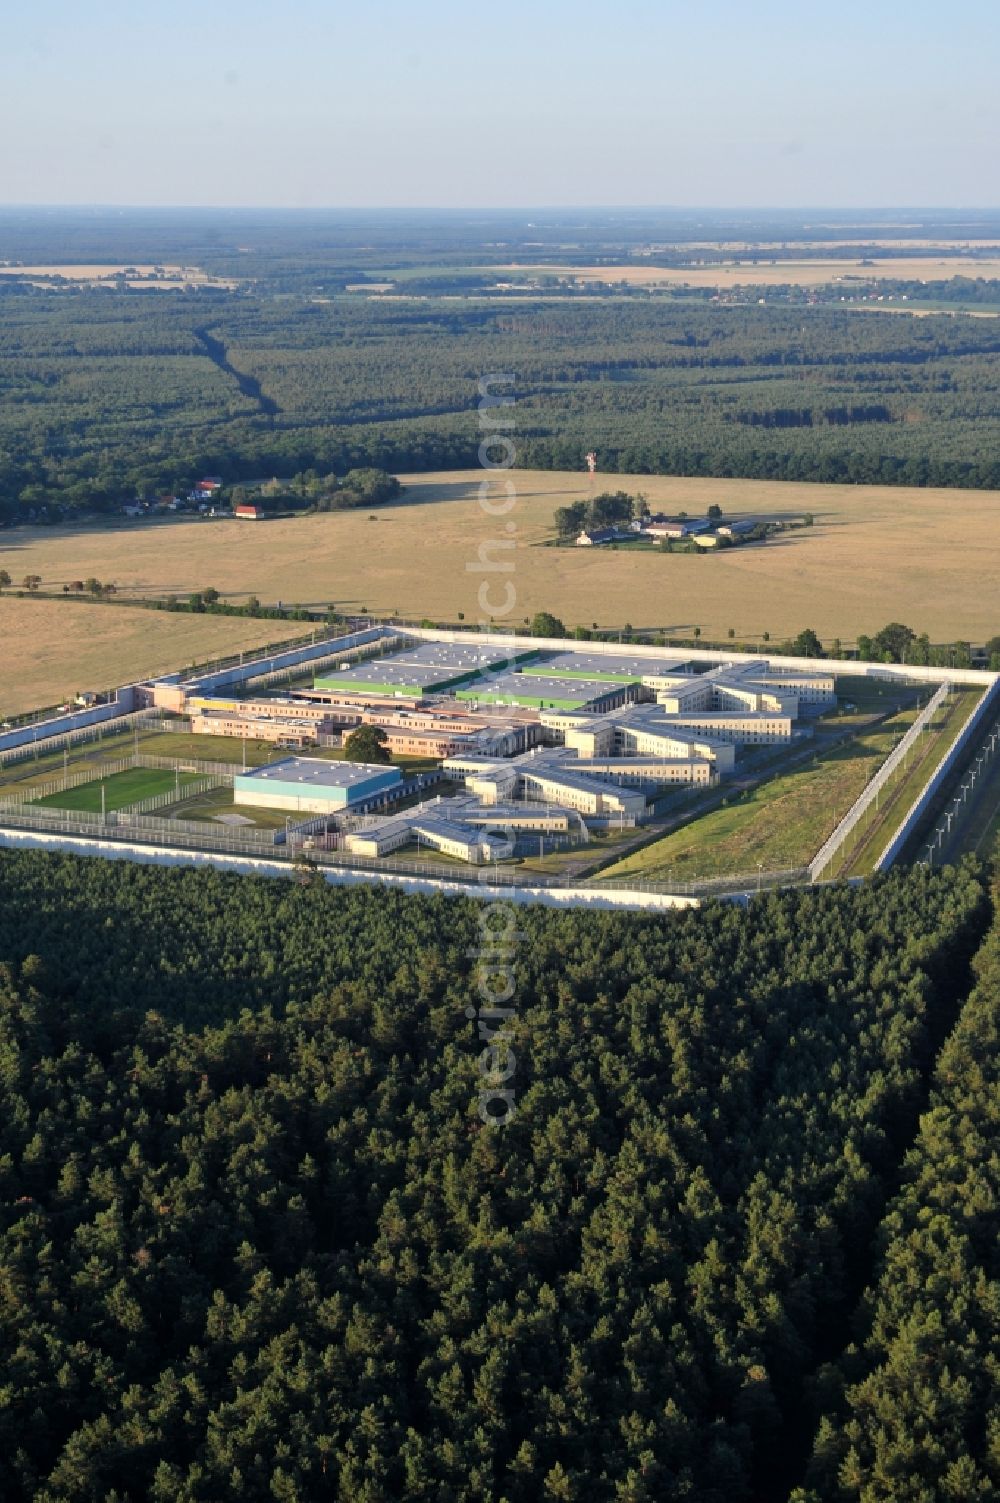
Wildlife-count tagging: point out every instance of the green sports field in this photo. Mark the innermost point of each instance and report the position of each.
(120, 790)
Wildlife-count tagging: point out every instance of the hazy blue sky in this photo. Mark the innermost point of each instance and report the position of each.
(316, 102)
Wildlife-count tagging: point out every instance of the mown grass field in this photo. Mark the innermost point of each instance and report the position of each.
(188, 748)
(177, 745)
(120, 790)
(51, 649)
(930, 558)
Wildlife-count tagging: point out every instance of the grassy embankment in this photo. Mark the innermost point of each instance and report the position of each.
(783, 823)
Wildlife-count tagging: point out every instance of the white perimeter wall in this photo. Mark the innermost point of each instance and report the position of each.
(485, 890)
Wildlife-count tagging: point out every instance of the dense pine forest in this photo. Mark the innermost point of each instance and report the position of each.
(103, 394)
(738, 1238)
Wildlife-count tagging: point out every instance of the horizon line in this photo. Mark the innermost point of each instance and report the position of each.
(479, 208)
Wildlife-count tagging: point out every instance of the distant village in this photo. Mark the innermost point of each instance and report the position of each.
(201, 498)
(256, 500)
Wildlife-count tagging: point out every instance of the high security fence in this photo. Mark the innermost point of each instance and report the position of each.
(706, 887)
(359, 653)
(258, 668)
(145, 720)
(164, 800)
(863, 803)
(920, 805)
(124, 825)
(54, 724)
(186, 764)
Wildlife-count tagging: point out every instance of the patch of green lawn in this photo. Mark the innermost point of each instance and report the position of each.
(120, 790)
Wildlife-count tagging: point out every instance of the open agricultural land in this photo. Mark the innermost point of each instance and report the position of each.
(754, 269)
(112, 395)
(53, 649)
(74, 274)
(930, 558)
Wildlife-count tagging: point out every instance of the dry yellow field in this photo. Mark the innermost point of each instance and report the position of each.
(930, 558)
(50, 650)
(810, 273)
(877, 242)
(93, 273)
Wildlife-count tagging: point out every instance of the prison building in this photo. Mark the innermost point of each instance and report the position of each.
(752, 696)
(671, 741)
(550, 782)
(637, 731)
(809, 688)
(464, 842)
(420, 720)
(620, 668)
(379, 839)
(289, 732)
(452, 838)
(546, 691)
(350, 702)
(431, 668)
(313, 785)
(407, 743)
(272, 709)
(596, 738)
(649, 770)
(493, 785)
(747, 729)
(465, 763)
(681, 695)
(538, 819)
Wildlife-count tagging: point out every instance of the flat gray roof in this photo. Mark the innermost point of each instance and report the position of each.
(541, 686)
(598, 662)
(457, 655)
(448, 828)
(386, 671)
(317, 772)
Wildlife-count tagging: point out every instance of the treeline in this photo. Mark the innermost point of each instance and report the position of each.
(258, 1241)
(912, 1409)
(112, 396)
(805, 417)
(311, 491)
(609, 509)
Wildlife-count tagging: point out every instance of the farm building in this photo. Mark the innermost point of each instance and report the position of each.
(249, 512)
(673, 527)
(594, 537)
(736, 529)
